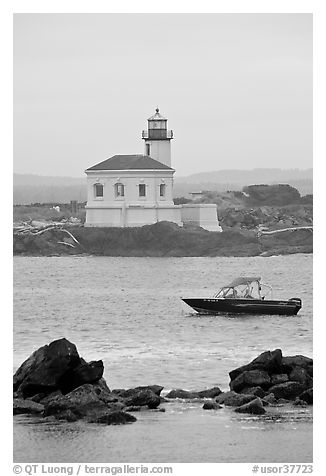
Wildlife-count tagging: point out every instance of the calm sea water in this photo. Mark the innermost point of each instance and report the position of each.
(128, 312)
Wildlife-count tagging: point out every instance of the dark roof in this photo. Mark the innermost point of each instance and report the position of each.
(126, 162)
(242, 280)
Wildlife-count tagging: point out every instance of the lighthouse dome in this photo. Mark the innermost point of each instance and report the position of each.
(157, 116)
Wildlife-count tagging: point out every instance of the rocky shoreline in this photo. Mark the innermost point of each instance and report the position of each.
(57, 384)
(163, 239)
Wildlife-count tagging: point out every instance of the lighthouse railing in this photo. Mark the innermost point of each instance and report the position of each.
(157, 134)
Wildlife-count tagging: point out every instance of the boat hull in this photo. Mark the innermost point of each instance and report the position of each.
(244, 306)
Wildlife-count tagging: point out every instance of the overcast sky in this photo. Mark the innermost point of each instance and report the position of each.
(236, 88)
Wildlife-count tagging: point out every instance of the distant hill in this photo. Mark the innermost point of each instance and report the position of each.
(254, 176)
(40, 189)
(224, 180)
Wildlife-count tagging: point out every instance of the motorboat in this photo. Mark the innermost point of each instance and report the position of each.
(244, 295)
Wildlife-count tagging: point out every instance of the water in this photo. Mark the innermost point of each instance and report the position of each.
(128, 312)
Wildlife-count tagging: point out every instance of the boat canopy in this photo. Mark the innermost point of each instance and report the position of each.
(242, 280)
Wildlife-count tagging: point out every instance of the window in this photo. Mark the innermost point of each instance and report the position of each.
(98, 188)
(119, 190)
(148, 149)
(142, 190)
(162, 189)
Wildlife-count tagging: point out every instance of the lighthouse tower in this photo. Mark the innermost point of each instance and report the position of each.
(158, 139)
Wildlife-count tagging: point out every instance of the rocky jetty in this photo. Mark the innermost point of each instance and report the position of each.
(55, 382)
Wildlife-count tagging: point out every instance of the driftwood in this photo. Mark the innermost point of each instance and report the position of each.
(263, 232)
(38, 228)
(67, 244)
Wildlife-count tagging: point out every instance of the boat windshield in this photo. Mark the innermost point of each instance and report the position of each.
(244, 288)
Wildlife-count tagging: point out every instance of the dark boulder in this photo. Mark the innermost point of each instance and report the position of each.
(81, 401)
(257, 391)
(307, 396)
(143, 397)
(269, 361)
(251, 378)
(211, 405)
(254, 407)
(297, 361)
(83, 373)
(184, 394)
(132, 409)
(157, 389)
(44, 369)
(114, 418)
(234, 399)
(209, 393)
(104, 393)
(279, 378)
(50, 397)
(35, 398)
(21, 406)
(188, 395)
(66, 415)
(283, 401)
(301, 375)
(287, 390)
(270, 399)
(300, 403)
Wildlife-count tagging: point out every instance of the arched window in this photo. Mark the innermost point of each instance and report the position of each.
(162, 189)
(98, 190)
(119, 189)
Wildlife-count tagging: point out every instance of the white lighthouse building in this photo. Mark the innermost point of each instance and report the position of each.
(136, 190)
(158, 139)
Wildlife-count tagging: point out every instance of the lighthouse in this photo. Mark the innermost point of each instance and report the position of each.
(158, 139)
(137, 190)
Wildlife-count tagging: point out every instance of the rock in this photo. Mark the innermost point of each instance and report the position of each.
(143, 397)
(287, 390)
(301, 375)
(81, 401)
(270, 399)
(300, 403)
(83, 373)
(157, 389)
(307, 396)
(297, 361)
(51, 396)
(179, 393)
(209, 393)
(279, 378)
(42, 371)
(114, 418)
(234, 399)
(66, 415)
(26, 406)
(257, 391)
(250, 378)
(283, 401)
(254, 407)
(132, 409)
(269, 361)
(35, 398)
(104, 393)
(211, 406)
(186, 395)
